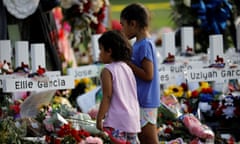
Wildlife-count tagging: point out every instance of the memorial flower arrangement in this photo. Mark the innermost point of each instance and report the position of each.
(221, 110)
(85, 17)
(90, 13)
(215, 105)
(207, 18)
(65, 125)
(188, 99)
(49, 119)
(55, 122)
(12, 132)
(169, 126)
(177, 115)
(82, 86)
(226, 108)
(88, 82)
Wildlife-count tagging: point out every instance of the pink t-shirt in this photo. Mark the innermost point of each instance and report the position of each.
(124, 112)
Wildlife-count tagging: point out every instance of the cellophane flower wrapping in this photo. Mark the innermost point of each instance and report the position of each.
(172, 109)
(169, 126)
(171, 106)
(196, 128)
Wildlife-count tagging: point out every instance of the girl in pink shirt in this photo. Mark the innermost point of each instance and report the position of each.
(118, 113)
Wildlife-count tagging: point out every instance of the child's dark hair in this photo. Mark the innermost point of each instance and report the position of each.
(118, 43)
(137, 12)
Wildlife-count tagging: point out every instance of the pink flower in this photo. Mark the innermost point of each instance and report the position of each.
(196, 128)
(95, 140)
(93, 113)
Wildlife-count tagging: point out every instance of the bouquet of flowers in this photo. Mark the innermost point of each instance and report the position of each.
(188, 99)
(225, 108)
(176, 119)
(85, 17)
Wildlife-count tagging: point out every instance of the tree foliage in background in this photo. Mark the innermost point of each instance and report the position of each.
(207, 17)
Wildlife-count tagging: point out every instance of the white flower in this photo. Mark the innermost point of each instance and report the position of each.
(229, 101)
(204, 106)
(96, 5)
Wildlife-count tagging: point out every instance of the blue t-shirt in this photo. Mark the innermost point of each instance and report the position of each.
(148, 91)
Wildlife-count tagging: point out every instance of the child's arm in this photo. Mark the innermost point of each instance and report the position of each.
(106, 84)
(144, 72)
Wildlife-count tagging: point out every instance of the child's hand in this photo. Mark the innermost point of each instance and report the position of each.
(99, 125)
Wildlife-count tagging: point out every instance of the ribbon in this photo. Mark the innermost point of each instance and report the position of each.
(213, 14)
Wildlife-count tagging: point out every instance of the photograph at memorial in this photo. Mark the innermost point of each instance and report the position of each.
(60, 73)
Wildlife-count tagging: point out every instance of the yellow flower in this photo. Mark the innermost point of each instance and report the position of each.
(174, 90)
(57, 99)
(89, 88)
(167, 92)
(189, 94)
(86, 80)
(76, 82)
(61, 100)
(41, 107)
(204, 85)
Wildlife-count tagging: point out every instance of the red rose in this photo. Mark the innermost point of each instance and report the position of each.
(195, 94)
(15, 108)
(168, 130)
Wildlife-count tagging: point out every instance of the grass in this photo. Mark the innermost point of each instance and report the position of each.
(160, 12)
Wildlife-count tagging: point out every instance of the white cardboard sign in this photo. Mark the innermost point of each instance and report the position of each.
(212, 74)
(85, 71)
(31, 84)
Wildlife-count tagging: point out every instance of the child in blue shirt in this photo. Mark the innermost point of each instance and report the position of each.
(135, 21)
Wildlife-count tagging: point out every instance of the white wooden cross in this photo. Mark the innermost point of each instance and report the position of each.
(168, 44)
(238, 37)
(187, 38)
(52, 80)
(5, 51)
(21, 53)
(216, 50)
(38, 57)
(215, 47)
(173, 73)
(95, 48)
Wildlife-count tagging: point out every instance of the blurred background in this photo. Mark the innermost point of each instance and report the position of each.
(160, 11)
